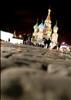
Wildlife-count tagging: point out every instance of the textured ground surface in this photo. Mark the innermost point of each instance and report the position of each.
(34, 73)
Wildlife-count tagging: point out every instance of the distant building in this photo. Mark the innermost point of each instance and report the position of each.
(5, 36)
(9, 37)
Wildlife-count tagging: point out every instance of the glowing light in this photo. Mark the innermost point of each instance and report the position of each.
(20, 36)
(63, 42)
(64, 47)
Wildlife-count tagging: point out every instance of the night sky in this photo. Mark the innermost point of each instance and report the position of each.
(22, 15)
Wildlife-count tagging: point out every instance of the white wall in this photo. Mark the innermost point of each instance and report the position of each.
(5, 36)
(16, 41)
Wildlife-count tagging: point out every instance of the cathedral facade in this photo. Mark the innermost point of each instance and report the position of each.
(45, 30)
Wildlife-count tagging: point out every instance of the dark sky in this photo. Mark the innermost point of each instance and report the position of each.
(22, 15)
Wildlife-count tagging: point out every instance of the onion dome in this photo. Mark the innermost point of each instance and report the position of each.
(35, 26)
(55, 27)
(41, 26)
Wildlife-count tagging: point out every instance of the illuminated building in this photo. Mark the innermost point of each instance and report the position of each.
(44, 30)
(9, 37)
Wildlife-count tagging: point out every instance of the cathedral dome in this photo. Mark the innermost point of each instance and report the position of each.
(41, 26)
(35, 26)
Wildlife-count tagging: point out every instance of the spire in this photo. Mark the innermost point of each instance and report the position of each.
(55, 28)
(56, 23)
(36, 25)
(14, 35)
(49, 11)
(37, 21)
(42, 21)
(48, 19)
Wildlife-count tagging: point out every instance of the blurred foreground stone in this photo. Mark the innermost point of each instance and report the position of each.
(34, 73)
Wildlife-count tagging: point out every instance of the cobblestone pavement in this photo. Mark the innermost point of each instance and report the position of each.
(34, 73)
